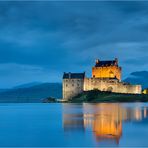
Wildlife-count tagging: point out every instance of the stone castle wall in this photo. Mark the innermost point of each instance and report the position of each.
(112, 85)
(72, 87)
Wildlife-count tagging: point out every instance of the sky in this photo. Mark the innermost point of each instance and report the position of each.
(41, 40)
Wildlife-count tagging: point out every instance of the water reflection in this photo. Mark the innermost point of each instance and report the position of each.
(103, 120)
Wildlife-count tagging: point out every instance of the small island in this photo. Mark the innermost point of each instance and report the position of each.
(106, 79)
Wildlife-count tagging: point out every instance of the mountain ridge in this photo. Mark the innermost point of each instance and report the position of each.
(27, 85)
(138, 77)
(33, 94)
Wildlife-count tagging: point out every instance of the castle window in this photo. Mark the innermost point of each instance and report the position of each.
(66, 85)
(111, 74)
(78, 84)
(73, 85)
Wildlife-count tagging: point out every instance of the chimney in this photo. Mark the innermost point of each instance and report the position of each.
(116, 59)
(97, 61)
(69, 75)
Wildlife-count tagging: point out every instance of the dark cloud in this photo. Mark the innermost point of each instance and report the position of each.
(68, 36)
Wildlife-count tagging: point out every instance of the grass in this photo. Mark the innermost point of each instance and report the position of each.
(95, 96)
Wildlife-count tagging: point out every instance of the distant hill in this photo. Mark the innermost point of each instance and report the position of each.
(139, 77)
(32, 94)
(27, 85)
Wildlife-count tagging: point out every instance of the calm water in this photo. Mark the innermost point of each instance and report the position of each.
(101, 124)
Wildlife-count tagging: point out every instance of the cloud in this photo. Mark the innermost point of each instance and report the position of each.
(12, 74)
(69, 36)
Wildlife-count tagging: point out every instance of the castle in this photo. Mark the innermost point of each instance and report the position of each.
(106, 76)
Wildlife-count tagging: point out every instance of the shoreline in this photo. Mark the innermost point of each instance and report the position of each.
(96, 96)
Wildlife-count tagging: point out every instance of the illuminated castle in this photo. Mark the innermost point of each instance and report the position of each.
(106, 76)
(106, 69)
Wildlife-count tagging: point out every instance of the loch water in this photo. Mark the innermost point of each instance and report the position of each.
(74, 125)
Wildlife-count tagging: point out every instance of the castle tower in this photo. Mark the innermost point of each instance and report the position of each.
(73, 84)
(106, 69)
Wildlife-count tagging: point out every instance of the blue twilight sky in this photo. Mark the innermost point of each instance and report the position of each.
(41, 40)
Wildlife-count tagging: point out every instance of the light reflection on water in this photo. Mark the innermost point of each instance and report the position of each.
(103, 120)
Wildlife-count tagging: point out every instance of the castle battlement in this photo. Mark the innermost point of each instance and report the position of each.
(106, 76)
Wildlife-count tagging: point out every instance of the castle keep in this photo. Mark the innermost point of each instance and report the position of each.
(106, 76)
(106, 69)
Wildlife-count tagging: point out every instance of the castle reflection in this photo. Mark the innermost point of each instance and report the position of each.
(103, 119)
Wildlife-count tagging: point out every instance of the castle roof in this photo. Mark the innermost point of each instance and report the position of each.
(73, 75)
(106, 63)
